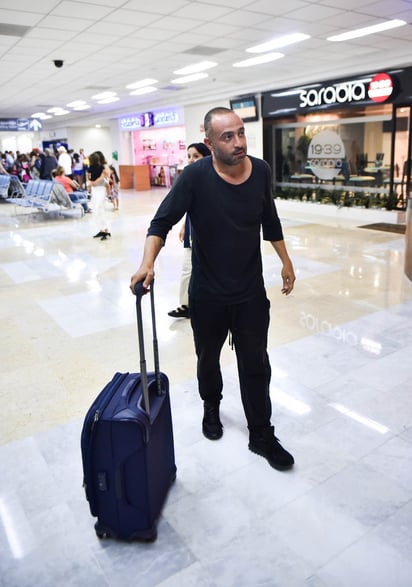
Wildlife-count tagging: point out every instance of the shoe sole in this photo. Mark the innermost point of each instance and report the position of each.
(212, 437)
(277, 467)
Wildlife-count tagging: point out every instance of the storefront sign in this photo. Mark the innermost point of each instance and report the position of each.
(136, 122)
(149, 119)
(326, 153)
(392, 86)
(20, 124)
(341, 93)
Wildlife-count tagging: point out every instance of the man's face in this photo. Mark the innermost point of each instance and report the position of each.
(227, 139)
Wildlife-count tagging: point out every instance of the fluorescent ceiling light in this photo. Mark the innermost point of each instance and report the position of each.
(103, 95)
(37, 115)
(82, 107)
(61, 112)
(278, 43)
(144, 82)
(195, 68)
(76, 103)
(45, 116)
(258, 60)
(369, 30)
(189, 78)
(108, 100)
(145, 90)
(54, 109)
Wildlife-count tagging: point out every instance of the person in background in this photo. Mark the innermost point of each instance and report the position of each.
(230, 203)
(3, 170)
(113, 187)
(35, 164)
(64, 160)
(195, 151)
(77, 169)
(98, 175)
(48, 164)
(71, 186)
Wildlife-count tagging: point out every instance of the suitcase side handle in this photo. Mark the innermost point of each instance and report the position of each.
(139, 292)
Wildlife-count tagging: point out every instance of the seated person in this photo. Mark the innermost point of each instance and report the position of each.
(70, 185)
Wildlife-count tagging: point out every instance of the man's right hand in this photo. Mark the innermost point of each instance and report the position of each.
(141, 275)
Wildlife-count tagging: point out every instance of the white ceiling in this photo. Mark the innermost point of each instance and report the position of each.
(107, 44)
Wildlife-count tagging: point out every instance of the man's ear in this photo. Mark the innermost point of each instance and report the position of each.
(208, 143)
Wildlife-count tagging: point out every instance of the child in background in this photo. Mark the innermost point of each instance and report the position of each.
(113, 187)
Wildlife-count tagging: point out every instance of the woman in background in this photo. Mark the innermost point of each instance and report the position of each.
(98, 175)
(71, 186)
(195, 151)
(113, 187)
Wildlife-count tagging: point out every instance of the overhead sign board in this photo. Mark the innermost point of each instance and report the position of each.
(20, 124)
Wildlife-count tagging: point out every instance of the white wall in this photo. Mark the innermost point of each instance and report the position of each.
(91, 139)
(19, 141)
(109, 139)
(194, 116)
(88, 138)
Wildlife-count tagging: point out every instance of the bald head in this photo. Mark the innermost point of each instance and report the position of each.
(214, 112)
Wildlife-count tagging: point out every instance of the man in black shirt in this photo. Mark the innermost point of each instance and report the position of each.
(228, 198)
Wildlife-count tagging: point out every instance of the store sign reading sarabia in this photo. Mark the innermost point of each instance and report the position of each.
(379, 89)
(326, 153)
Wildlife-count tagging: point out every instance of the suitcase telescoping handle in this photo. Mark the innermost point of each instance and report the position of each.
(140, 291)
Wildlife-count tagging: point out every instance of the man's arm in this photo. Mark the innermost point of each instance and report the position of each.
(288, 274)
(145, 273)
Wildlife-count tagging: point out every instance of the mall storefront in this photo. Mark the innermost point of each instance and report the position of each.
(346, 141)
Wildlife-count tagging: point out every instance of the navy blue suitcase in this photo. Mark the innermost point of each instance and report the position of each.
(128, 450)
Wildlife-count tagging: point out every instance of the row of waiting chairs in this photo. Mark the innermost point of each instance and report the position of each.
(40, 195)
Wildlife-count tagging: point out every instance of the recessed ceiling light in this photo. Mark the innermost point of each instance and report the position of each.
(54, 109)
(82, 107)
(145, 90)
(189, 78)
(195, 68)
(76, 103)
(103, 95)
(108, 100)
(369, 30)
(144, 82)
(266, 58)
(41, 115)
(61, 112)
(278, 43)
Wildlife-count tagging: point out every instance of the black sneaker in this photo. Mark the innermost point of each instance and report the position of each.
(267, 445)
(180, 312)
(212, 427)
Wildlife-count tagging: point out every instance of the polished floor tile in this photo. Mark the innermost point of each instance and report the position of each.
(340, 349)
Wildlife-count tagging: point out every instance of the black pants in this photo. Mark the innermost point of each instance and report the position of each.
(248, 323)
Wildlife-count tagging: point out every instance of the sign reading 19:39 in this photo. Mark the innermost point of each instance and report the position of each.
(326, 153)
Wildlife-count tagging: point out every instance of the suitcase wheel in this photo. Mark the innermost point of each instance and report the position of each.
(152, 538)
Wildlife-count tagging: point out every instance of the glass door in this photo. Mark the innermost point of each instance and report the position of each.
(400, 183)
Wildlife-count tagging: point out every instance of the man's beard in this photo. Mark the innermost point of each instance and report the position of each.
(233, 158)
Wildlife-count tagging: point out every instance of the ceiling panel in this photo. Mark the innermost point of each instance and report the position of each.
(111, 43)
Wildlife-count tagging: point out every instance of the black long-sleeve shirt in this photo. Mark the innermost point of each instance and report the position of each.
(226, 225)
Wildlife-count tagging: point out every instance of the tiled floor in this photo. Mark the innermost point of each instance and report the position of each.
(340, 347)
